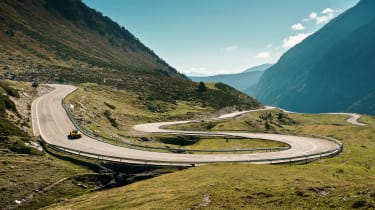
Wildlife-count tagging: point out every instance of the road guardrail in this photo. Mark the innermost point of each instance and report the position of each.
(172, 150)
(300, 158)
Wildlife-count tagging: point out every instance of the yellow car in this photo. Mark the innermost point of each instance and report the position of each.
(74, 134)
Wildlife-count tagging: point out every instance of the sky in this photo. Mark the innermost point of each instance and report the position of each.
(207, 37)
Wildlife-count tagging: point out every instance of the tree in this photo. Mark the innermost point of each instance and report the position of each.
(202, 87)
(35, 84)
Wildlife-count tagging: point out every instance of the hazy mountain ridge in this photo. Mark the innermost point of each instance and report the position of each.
(243, 81)
(329, 71)
(262, 67)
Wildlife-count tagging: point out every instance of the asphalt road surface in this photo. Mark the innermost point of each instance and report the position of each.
(51, 122)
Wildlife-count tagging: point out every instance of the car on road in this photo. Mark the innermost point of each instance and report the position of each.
(74, 134)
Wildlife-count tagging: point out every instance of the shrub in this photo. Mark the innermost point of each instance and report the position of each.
(266, 116)
(285, 119)
(35, 84)
(10, 32)
(9, 90)
(7, 128)
(201, 87)
(6, 103)
(112, 120)
(359, 204)
(267, 126)
(210, 125)
(20, 147)
(179, 140)
(110, 105)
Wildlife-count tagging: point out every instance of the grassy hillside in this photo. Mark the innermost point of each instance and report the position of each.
(181, 143)
(47, 40)
(26, 171)
(112, 112)
(31, 178)
(271, 121)
(47, 34)
(343, 182)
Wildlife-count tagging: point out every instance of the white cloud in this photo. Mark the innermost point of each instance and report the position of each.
(230, 48)
(291, 41)
(328, 11)
(306, 19)
(263, 55)
(324, 19)
(325, 16)
(204, 72)
(321, 18)
(270, 45)
(313, 15)
(298, 27)
(197, 69)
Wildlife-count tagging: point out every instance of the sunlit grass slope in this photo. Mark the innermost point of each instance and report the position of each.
(346, 181)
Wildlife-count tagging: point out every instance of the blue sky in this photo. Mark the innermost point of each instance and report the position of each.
(220, 36)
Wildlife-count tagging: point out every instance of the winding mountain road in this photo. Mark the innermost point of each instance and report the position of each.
(52, 124)
(353, 117)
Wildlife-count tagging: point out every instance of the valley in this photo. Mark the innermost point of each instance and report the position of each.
(97, 111)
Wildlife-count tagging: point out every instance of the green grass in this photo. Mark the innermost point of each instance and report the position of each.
(342, 182)
(205, 143)
(24, 174)
(255, 122)
(112, 113)
(233, 144)
(91, 101)
(38, 179)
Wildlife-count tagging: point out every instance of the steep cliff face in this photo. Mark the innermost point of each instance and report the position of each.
(332, 70)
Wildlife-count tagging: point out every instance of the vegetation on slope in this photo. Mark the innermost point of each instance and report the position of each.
(11, 136)
(345, 181)
(208, 144)
(20, 158)
(45, 34)
(31, 178)
(112, 112)
(270, 121)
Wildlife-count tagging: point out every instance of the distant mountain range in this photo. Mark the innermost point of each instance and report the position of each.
(244, 81)
(333, 70)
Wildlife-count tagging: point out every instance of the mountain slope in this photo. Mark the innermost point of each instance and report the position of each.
(330, 71)
(64, 33)
(241, 81)
(262, 67)
(67, 42)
